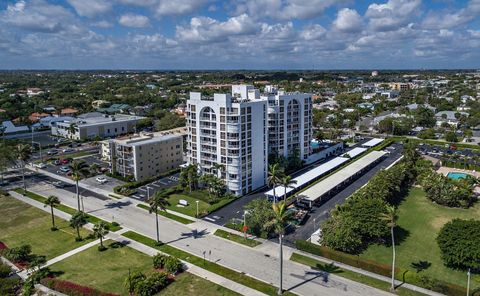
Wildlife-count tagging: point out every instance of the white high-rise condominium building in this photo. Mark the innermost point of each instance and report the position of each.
(239, 130)
(289, 122)
(231, 130)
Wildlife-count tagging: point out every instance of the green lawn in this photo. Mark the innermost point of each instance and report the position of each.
(237, 238)
(105, 270)
(189, 284)
(210, 266)
(65, 208)
(422, 220)
(385, 286)
(204, 208)
(21, 223)
(189, 210)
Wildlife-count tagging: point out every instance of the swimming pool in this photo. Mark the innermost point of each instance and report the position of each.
(456, 175)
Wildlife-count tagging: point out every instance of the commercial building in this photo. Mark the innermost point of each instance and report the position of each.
(92, 125)
(231, 130)
(143, 155)
(240, 129)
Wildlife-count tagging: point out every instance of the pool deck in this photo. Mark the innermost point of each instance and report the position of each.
(445, 171)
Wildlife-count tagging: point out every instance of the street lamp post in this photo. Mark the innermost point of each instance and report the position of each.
(468, 282)
(148, 193)
(197, 207)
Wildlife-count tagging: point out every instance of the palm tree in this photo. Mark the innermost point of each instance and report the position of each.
(72, 129)
(78, 220)
(52, 201)
(6, 157)
(279, 222)
(287, 182)
(275, 173)
(218, 168)
(391, 217)
(158, 202)
(79, 169)
(99, 231)
(23, 153)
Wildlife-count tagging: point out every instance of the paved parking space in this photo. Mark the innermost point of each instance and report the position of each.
(163, 183)
(109, 185)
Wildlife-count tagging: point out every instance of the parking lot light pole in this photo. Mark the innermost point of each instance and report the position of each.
(148, 193)
(197, 207)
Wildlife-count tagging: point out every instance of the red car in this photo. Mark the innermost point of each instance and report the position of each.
(64, 161)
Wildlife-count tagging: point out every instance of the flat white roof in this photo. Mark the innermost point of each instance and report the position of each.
(332, 181)
(373, 142)
(355, 152)
(309, 176)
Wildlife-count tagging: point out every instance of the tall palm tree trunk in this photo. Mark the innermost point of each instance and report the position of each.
(53, 216)
(78, 233)
(393, 260)
(23, 177)
(156, 220)
(78, 196)
(274, 195)
(285, 195)
(101, 241)
(280, 287)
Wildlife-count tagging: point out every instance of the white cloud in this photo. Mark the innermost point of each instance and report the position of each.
(286, 9)
(91, 8)
(102, 24)
(348, 21)
(169, 7)
(313, 32)
(452, 19)
(393, 14)
(36, 15)
(205, 29)
(134, 20)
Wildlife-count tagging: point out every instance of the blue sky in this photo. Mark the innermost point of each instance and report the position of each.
(242, 34)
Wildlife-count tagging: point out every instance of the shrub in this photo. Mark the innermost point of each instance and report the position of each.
(19, 254)
(159, 260)
(459, 242)
(9, 287)
(4, 270)
(72, 289)
(173, 265)
(151, 285)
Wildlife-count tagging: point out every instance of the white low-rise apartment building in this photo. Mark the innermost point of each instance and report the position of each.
(240, 129)
(144, 155)
(93, 125)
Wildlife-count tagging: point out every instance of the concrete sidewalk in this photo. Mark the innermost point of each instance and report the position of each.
(196, 270)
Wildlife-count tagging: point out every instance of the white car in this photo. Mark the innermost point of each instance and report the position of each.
(40, 165)
(101, 180)
(67, 150)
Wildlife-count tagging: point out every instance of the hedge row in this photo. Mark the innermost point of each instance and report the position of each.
(352, 260)
(385, 270)
(72, 289)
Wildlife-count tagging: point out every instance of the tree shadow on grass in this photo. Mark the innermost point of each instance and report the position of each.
(420, 265)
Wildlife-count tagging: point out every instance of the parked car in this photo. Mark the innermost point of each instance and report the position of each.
(40, 165)
(64, 169)
(58, 184)
(52, 152)
(58, 162)
(68, 150)
(101, 180)
(64, 161)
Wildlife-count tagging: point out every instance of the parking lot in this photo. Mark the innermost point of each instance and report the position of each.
(155, 186)
(108, 185)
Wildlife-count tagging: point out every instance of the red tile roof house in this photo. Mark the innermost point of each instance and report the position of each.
(34, 117)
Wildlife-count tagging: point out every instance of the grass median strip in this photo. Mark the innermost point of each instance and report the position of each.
(237, 238)
(66, 209)
(168, 215)
(205, 264)
(357, 277)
